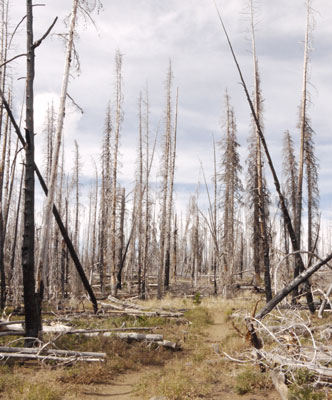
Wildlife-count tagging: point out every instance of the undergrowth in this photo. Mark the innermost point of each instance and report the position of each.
(250, 380)
(16, 386)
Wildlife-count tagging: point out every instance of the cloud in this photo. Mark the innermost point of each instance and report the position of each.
(149, 33)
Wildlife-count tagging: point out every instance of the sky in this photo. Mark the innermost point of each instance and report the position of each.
(149, 33)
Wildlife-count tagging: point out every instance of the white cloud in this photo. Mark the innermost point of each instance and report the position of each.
(148, 33)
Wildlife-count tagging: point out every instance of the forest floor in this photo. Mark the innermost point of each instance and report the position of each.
(142, 371)
(164, 382)
(126, 386)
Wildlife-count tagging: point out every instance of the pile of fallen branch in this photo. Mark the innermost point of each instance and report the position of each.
(46, 355)
(287, 342)
(116, 306)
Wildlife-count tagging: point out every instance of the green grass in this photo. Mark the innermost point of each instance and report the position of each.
(200, 317)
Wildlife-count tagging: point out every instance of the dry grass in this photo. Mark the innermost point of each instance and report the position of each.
(19, 383)
(200, 370)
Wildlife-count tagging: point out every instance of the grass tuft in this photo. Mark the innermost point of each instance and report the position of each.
(250, 380)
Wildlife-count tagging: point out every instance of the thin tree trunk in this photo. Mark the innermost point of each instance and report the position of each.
(303, 122)
(121, 238)
(31, 303)
(118, 120)
(165, 190)
(260, 191)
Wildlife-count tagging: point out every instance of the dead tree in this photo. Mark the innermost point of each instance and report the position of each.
(117, 128)
(165, 185)
(304, 125)
(260, 206)
(31, 302)
(289, 166)
(167, 172)
(311, 167)
(283, 205)
(170, 197)
(62, 227)
(231, 190)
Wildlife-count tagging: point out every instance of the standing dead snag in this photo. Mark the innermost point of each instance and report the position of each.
(117, 128)
(305, 136)
(232, 188)
(261, 240)
(42, 265)
(165, 186)
(167, 172)
(283, 206)
(31, 303)
(56, 214)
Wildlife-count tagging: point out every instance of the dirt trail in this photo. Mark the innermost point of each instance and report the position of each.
(216, 333)
(124, 386)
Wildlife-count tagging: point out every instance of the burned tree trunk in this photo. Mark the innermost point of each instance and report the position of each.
(31, 303)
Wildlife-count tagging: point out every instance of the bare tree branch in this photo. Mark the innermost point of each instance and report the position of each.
(39, 41)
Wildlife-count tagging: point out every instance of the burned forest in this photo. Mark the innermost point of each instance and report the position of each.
(165, 220)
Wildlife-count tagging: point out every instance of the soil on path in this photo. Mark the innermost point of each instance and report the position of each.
(124, 386)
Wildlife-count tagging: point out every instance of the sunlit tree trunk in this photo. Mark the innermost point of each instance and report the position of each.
(47, 214)
(165, 186)
(117, 127)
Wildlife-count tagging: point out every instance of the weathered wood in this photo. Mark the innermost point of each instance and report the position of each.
(278, 379)
(12, 333)
(125, 304)
(171, 345)
(5, 323)
(132, 328)
(291, 363)
(294, 283)
(322, 307)
(48, 358)
(41, 351)
(138, 312)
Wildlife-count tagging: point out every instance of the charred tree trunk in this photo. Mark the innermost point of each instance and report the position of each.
(31, 303)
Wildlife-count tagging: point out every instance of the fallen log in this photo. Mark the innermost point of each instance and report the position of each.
(142, 313)
(5, 323)
(125, 304)
(132, 328)
(171, 345)
(4, 355)
(44, 351)
(136, 336)
(140, 337)
(12, 333)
